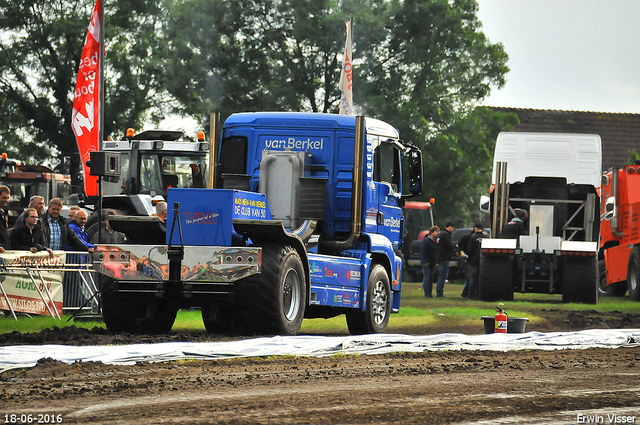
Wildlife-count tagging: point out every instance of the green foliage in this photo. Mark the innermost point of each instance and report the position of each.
(40, 50)
(459, 163)
(421, 65)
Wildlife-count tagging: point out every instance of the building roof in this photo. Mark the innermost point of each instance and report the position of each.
(620, 133)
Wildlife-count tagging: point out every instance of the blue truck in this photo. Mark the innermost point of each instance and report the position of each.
(302, 218)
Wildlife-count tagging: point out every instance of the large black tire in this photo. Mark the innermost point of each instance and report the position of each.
(133, 316)
(217, 319)
(633, 278)
(118, 314)
(375, 317)
(161, 315)
(495, 281)
(274, 301)
(580, 280)
(615, 290)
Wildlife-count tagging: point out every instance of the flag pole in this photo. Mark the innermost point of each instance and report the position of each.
(100, 116)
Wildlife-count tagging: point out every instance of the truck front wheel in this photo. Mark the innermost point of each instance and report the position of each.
(375, 317)
(632, 274)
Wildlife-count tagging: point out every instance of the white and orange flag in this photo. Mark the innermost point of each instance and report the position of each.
(346, 77)
(85, 118)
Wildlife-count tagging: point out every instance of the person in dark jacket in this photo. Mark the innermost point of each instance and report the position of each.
(57, 231)
(428, 249)
(473, 250)
(464, 258)
(516, 227)
(5, 195)
(445, 251)
(26, 236)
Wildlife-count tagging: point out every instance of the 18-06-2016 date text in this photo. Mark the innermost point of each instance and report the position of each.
(30, 418)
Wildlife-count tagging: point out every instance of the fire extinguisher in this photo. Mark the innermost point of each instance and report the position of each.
(501, 321)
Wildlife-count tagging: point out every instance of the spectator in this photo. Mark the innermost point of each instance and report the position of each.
(161, 211)
(72, 213)
(445, 251)
(464, 259)
(473, 249)
(57, 231)
(78, 226)
(516, 227)
(108, 235)
(5, 194)
(37, 202)
(28, 236)
(428, 249)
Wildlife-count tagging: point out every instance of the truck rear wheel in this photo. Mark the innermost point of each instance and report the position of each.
(119, 315)
(633, 279)
(580, 280)
(274, 301)
(375, 317)
(495, 281)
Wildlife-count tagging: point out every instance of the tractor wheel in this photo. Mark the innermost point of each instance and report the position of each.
(120, 315)
(633, 279)
(495, 281)
(375, 317)
(615, 290)
(580, 280)
(273, 302)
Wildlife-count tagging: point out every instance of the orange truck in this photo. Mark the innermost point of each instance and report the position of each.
(619, 254)
(418, 219)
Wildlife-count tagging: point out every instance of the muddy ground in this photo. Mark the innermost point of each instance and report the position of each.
(523, 387)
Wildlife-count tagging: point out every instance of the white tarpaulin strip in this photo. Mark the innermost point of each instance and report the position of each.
(24, 356)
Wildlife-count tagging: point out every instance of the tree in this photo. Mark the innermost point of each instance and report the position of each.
(245, 55)
(40, 50)
(458, 164)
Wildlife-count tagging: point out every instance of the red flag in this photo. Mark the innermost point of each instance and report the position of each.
(85, 118)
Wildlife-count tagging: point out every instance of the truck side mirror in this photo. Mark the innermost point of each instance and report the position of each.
(412, 160)
(485, 203)
(610, 208)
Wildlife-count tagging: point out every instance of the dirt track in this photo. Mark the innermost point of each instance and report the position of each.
(425, 388)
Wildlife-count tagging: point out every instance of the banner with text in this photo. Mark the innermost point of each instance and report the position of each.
(21, 289)
(85, 118)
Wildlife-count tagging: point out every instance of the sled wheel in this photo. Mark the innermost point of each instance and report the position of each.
(119, 314)
(495, 280)
(580, 280)
(217, 319)
(375, 317)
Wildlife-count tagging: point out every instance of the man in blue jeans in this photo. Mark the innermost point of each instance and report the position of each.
(445, 251)
(428, 249)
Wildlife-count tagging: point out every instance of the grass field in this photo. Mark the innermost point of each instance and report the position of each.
(416, 310)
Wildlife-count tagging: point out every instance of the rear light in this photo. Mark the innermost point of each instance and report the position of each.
(498, 251)
(631, 170)
(579, 253)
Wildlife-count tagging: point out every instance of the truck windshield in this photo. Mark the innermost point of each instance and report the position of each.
(160, 172)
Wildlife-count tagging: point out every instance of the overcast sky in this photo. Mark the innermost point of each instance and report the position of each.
(581, 55)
